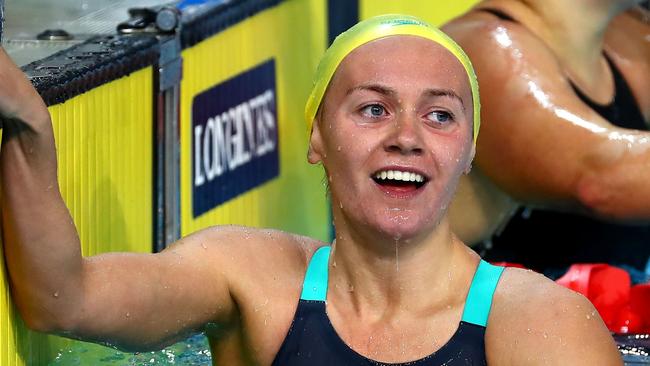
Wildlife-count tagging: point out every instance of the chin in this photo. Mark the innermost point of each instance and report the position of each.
(404, 228)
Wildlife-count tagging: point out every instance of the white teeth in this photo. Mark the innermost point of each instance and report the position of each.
(399, 175)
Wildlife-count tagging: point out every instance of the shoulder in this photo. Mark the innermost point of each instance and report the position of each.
(496, 43)
(514, 68)
(534, 321)
(246, 256)
(247, 239)
(627, 43)
(628, 38)
(263, 270)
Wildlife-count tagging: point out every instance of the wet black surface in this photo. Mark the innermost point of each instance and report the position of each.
(635, 348)
(198, 27)
(85, 66)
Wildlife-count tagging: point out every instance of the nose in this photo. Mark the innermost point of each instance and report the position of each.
(406, 136)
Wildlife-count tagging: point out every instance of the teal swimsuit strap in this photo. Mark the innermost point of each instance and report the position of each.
(477, 305)
(479, 298)
(315, 285)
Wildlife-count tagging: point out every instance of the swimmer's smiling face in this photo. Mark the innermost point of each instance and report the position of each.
(399, 107)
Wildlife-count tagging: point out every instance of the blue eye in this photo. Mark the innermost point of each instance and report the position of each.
(374, 110)
(440, 117)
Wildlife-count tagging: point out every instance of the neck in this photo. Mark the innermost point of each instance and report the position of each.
(375, 275)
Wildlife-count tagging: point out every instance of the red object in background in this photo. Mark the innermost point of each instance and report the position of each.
(627, 321)
(508, 264)
(624, 309)
(640, 303)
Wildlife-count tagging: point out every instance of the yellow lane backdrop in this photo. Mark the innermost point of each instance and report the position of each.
(104, 147)
(243, 135)
(436, 12)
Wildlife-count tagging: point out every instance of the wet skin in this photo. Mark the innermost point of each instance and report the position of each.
(388, 112)
(540, 145)
(398, 276)
(377, 117)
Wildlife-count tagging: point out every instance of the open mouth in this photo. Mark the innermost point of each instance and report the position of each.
(399, 180)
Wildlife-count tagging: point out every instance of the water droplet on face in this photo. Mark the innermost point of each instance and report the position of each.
(341, 205)
(56, 294)
(204, 246)
(127, 314)
(338, 148)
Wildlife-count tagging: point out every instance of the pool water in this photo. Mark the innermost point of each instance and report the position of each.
(192, 351)
(195, 351)
(635, 348)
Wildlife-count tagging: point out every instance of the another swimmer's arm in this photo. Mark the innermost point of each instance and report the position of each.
(540, 143)
(534, 321)
(136, 301)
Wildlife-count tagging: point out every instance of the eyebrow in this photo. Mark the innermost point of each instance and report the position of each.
(381, 89)
(445, 93)
(385, 90)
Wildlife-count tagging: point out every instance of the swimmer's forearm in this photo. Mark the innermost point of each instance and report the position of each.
(41, 244)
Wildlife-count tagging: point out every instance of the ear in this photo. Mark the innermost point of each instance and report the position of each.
(315, 153)
(470, 159)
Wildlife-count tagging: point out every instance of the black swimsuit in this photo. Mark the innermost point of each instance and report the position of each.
(313, 341)
(544, 239)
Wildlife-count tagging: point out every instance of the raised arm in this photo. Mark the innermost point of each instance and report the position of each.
(539, 142)
(133, 301)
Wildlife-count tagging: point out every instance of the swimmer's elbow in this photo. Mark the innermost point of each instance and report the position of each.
(35, 323)
(47, 318)
(601, 199)
(43, 323)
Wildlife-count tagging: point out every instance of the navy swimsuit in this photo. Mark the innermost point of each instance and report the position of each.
(313, 341)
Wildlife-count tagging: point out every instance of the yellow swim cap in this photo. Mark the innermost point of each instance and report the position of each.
(380, 27)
